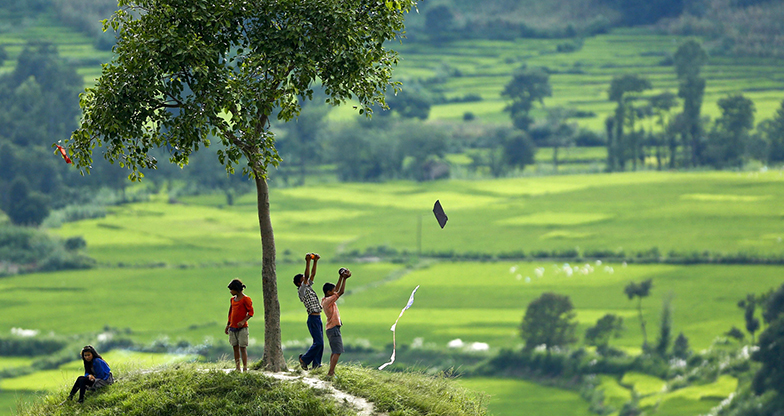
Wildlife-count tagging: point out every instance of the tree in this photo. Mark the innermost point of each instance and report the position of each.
(688, 60)
(775, 136)
(425, 147)
(622, 90)
(559, 132)
(38, 101)
(774, 306)
(439, 21)
(526, 87)
(735, 333)
(550, 321)
(771, 355)
(410, 103)
(639, 291)
(728, 140)
(749, 305)
(680, 348)
(662, 104)
(607, 327)
(771, 346)
(665, 328)
(240, 60)
(300, 143)
(519, 149)
(26, 207)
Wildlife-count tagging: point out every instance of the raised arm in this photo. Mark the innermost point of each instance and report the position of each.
(307, 268)
(340, 288)
(316, 258)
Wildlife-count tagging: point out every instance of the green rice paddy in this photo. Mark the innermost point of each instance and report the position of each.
(165, 266)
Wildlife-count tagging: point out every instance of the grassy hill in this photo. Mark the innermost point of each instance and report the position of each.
(206, 390)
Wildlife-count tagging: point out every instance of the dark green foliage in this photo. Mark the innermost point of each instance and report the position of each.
(622, 147)
(728, 141)
(775, 136)
(607, 327)
(774, 306)
(735, 333)
(689, 60)
(26, 207)
(439, 21)
(358, 157)
(410, 103)
(519, 149)
(25, 249)
(528, 85)
(771, 356)
(749, 306)
(680, 348)
(639, 291)
(39, 99)
(75, 243)
(549, 320)
(636, 12)
(30, 346)
(665, 328)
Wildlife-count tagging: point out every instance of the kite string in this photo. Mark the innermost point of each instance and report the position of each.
(394, 326)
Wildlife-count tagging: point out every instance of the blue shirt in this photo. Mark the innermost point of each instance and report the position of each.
(100, 368)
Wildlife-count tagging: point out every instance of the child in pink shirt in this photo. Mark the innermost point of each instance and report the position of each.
(331, 294)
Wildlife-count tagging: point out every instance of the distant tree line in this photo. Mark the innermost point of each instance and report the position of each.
(686, 138)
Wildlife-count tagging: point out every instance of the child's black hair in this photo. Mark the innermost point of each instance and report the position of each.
(237, 285)
(298, 279)
(88, 365)
(327, 287)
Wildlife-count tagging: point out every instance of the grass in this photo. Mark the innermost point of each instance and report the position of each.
(615, 395)
(579, 80)
(695, 398)
(188, 389)
(10, 400)
(520, 397)
(408, 392)
(609, 212)
(120, 361)
(643, 384)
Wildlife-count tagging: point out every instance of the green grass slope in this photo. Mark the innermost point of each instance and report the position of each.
(721, 212)
(207, 390)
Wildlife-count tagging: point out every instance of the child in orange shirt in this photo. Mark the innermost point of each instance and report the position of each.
(240, 310)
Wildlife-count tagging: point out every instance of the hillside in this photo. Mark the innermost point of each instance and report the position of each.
(208, 390)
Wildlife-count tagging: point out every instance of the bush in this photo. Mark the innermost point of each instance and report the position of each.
(27, 250)
(16, 346)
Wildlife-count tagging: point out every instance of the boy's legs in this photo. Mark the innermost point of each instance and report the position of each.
(237, 356)
(244, 354)
(333, 361)
(316, 350)
(336, 345)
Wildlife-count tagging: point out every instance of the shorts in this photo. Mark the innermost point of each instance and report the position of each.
(239, 338)
(335, 340)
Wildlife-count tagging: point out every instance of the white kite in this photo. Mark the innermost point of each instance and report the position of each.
(394, 346)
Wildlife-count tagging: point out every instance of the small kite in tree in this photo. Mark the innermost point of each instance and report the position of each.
(63, 153)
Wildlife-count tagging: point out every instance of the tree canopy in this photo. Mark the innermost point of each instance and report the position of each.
(184, 73)
(549, 320)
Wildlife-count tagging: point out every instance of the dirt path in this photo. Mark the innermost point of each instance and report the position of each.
(361, 405)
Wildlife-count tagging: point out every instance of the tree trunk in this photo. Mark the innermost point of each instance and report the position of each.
(273, 359)
(642, 324)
